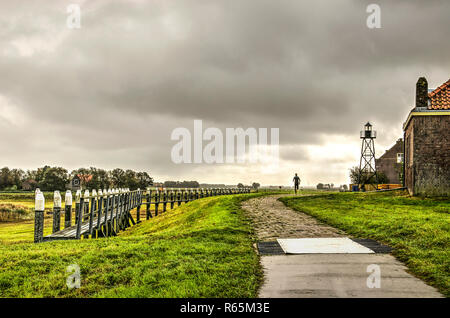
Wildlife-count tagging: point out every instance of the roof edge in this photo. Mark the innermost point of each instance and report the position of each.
(428, 112)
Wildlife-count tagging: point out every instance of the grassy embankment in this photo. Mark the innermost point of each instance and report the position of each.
(417, 228)
(201, 249)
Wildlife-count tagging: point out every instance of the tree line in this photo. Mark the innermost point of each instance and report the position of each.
(181, 184)
(195, 184)
(57, 178)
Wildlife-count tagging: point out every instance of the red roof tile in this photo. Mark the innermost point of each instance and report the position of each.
(440, 97)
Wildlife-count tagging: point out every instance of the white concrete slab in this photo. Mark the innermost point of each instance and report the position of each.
(338, 275)
(332, 245)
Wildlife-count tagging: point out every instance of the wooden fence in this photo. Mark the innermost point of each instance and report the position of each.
(105, 213)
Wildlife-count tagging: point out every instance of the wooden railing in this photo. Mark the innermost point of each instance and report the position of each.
(106, 213)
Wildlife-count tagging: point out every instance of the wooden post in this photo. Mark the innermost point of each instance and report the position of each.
(178, 197)
(68, 209)
(156, 202)
(79, 217)
(140, 200)
(99, 213)
(123, 203)
(172, 198)
(164, 200)
(77, 204)
(132, 200)
(117, 196)
(56, 212)
(107, 208)
(85, 214)
(39, 207)
(138, 211)
(112, 208)
(120, 210)
(92, 212)
(149, 202)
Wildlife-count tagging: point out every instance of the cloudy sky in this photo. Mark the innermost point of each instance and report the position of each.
(110, 93)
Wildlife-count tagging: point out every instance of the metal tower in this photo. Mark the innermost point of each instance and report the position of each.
(367, 168)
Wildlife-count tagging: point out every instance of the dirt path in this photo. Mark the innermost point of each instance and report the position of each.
(272, 220)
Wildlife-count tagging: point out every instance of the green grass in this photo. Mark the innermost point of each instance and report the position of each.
(417, 228)
(201, 249)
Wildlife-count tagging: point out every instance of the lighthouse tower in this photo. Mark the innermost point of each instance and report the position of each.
(367, 168)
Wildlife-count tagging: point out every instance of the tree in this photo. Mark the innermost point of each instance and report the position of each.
(17, 176)
(131, 180)
(366, 178)
(144, 180)
(382, 177)
(118, 178)
(40, 173)
(320, 186)
(170, 184)
(5, 178)
(240, 185)
(104, 181)
(189, 184)
(183, 184)
(255, 185)
(54, 178)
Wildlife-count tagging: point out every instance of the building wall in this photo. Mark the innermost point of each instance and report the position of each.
(387, 163)
(427, 155)
(409, 176)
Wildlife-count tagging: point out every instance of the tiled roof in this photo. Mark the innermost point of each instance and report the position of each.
(440, 97)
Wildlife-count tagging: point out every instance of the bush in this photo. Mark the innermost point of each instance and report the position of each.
(12, 212)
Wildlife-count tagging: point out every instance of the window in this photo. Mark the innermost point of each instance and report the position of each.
(399, 157)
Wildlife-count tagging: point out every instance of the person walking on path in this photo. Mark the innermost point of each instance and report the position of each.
(296, 182)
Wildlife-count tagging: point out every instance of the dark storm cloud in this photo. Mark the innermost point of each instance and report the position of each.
(136, 70)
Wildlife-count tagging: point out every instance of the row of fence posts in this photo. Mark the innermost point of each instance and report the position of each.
(106, 212)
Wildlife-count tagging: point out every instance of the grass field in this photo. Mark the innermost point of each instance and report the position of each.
(201, 249)
(204, 248)
(417, 228)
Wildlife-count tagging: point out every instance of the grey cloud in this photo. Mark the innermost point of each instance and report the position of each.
(111, 92)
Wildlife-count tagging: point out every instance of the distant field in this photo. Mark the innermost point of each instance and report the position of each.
(417, 228)
(201, 249)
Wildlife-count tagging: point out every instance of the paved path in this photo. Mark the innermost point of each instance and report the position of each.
(322, 275)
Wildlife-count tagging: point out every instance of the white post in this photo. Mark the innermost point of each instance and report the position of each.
(39, 208)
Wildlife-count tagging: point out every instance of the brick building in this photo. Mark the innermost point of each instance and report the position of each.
(426, 135)
(390, 163)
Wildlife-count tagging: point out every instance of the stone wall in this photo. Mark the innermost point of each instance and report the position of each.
(428, 171)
